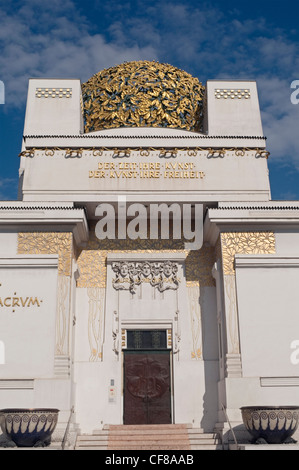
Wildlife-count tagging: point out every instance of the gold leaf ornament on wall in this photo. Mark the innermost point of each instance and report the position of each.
(60, 243)
(245, 243)
(92, 260)
(142, 94)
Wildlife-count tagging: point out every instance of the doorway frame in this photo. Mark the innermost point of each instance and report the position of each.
(169, 335)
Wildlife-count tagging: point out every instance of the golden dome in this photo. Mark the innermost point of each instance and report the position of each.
(142, 94)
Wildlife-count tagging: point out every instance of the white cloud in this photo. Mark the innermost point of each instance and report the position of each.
(280, 119)
(55, 40)
(64, 48)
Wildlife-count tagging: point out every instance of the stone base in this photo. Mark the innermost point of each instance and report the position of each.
(264, 447)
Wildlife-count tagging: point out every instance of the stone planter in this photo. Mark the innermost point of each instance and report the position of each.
(29, 427)
(271, 424)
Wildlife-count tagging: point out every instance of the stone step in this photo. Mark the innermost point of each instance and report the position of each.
(144, 432)
(103, 440)
(148, 437)
(149, 447)
(206, 447)
(203, 441)
(90, 448)
(92, 438)
(139, 427)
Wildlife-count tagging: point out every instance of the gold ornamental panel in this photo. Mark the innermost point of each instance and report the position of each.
(48, 243)
(92, 260)
(233, 243)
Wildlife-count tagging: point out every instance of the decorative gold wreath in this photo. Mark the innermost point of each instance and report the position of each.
(142, 94)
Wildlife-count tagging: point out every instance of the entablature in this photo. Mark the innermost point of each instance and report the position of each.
(20, 215)
(250, 216)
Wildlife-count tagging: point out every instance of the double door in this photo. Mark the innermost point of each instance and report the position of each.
(147, 387)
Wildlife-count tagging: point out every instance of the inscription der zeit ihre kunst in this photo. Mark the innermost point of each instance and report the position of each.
(167, 170)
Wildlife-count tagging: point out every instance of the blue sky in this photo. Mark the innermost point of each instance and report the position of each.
(213, 39)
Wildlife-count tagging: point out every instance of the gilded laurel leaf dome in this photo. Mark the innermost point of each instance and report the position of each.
(142, 94)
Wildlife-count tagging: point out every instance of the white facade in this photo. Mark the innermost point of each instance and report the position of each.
(231, 320)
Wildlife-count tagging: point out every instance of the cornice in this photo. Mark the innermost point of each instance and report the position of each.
(250, 217)
(44, 218)
(130, 136)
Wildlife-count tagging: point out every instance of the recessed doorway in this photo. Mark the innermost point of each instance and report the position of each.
(147, 378)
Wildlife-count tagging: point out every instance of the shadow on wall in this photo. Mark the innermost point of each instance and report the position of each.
(207, 301)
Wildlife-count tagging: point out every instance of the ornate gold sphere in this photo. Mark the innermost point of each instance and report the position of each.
(142, 94)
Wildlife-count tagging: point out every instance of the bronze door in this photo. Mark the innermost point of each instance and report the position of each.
(147, 398)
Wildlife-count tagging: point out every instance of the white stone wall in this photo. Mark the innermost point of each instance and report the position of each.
(268, 318)
(28, 314)
(53, 107)
(87, 174)
(233, 108)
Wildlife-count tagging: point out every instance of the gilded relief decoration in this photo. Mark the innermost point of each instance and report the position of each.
(176, 333)
(233, 243)
(195, 313)
(115, 332)
(129, 275)
(47, 243)
(161, 152)
(169, 338)
(62, 315)
(141, 94)
(199, 265)
(244, 243)
(92, 262)
(96, 298)
(60, 243)
(92, 266)
(231, 314)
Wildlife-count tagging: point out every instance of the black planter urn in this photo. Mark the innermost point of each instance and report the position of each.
(29, 427)
(271, 424)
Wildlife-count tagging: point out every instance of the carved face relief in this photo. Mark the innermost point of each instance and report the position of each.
(146, 269)
(156, 269)
(124, 269)
(167, 269)
(136, 273)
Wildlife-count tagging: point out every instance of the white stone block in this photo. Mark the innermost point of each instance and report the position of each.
(53, 107)
(268, 317)
(233, 108)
